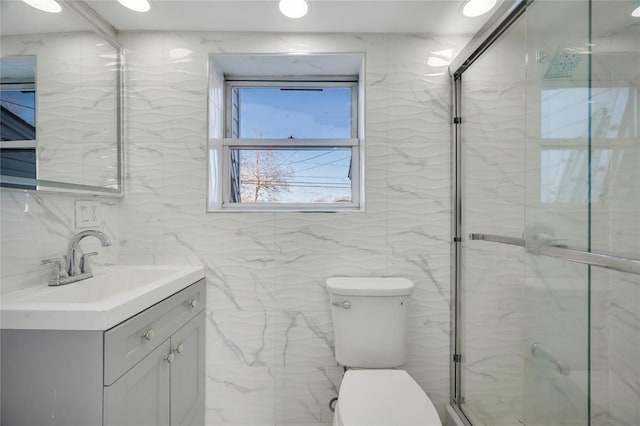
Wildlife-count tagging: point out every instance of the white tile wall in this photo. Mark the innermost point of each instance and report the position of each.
(269, 331)
(39, 226)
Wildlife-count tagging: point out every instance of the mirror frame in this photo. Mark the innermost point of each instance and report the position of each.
(105, 30)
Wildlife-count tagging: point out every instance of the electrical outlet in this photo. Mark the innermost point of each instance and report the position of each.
(87, 214)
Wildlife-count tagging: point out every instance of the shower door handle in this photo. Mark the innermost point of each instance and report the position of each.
(551, 248)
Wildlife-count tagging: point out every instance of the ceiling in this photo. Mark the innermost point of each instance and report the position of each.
(17, 17)
(380, 16)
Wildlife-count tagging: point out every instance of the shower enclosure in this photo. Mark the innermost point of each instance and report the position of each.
(547, 217)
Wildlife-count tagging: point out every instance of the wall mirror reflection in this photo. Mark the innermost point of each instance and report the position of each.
(18, 120)
(61, 100)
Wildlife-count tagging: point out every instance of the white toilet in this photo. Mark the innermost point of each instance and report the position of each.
(370, 324)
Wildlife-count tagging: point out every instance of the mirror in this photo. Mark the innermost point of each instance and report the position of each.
(60, 84)
(18, 120)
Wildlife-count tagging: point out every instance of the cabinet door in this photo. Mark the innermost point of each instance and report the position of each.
(187, 374)
(140, 397)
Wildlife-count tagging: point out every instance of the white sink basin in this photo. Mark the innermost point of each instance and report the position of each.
(98, 303)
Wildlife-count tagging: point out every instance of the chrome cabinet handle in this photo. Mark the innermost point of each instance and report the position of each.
(344, 304)
(179, 349)
(169, 358)
(148, 335)
(193, 303)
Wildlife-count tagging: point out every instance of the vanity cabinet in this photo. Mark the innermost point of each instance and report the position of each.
(147, 370)
(166, 387)
(142, 395)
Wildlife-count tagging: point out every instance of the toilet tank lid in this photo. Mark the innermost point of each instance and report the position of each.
(370, 286)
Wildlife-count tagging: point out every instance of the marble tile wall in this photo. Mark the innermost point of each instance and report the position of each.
(269, 330)
(37, 226)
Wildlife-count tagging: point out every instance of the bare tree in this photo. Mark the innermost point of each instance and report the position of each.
(263, 177)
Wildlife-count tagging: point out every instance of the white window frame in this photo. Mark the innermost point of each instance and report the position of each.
(230, 143)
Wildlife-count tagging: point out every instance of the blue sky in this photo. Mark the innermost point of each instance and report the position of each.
(320, 174)
(20, 103)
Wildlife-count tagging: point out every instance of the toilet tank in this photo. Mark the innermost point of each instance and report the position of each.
(369, 320)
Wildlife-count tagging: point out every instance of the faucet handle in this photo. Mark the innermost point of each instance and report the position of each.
(85, 268)
(57, 273)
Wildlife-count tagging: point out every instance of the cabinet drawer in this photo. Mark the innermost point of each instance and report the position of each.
(127, 343)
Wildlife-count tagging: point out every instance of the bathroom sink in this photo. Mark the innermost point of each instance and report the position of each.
(96, 289)
(110, 297)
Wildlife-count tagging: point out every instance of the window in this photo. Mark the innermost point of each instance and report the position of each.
(291, 145)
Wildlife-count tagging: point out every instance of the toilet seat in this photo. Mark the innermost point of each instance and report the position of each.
(383, 398)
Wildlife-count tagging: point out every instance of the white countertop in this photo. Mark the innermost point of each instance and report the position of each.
(113, 295)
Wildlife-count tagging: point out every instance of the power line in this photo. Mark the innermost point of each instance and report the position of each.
(310, 158)
(324, 164)
(287, 159)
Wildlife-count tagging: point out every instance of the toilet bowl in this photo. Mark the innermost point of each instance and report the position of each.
(383, 398)
(370, 323)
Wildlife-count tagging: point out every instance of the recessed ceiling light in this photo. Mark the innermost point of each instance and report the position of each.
(50, 6)
(137, 5)
(636, 12)
(473, 8)
(293, 8)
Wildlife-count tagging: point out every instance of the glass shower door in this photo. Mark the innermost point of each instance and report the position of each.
(492, 159)
(548, 220)
(615, 212)
(556, 293)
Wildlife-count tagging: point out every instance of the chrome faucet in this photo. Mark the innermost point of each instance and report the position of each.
(73, 248)
(73, 269)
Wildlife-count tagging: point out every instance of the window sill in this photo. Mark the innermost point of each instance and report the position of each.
(289, 208)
